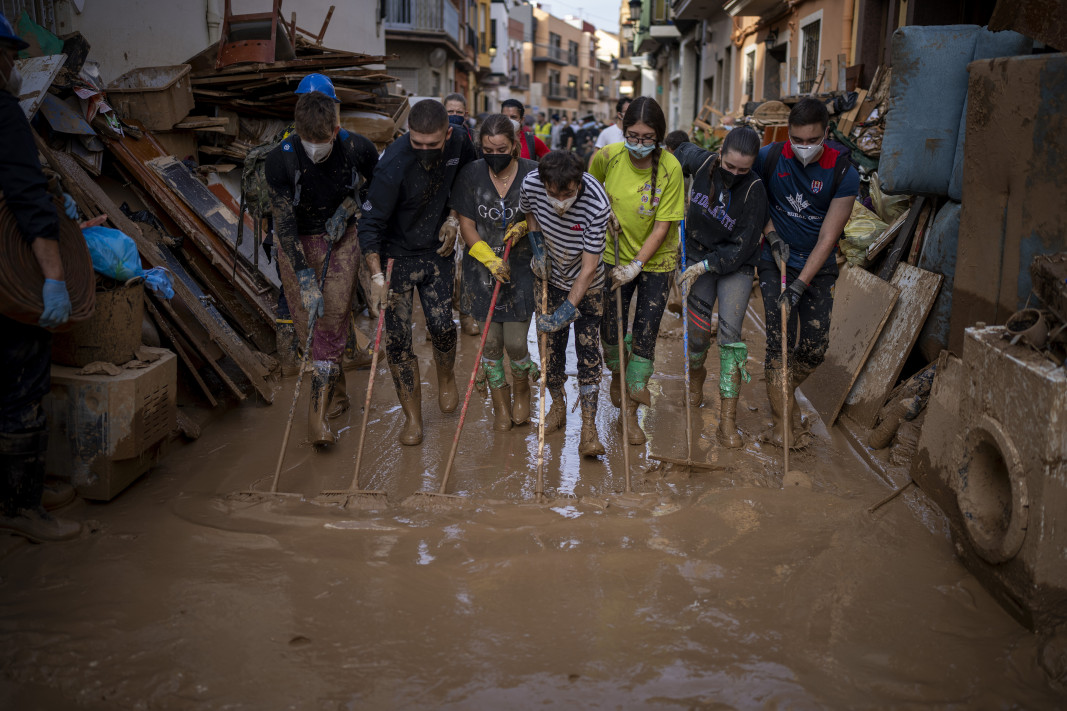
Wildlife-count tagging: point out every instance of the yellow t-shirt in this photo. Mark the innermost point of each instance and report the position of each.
(629, 190)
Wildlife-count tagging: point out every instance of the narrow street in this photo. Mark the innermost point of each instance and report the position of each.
(717, 590)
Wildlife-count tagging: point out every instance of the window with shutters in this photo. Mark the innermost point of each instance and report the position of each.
(809, 52)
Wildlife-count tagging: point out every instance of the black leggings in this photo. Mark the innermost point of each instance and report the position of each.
(809, 323)
(586, 345)
(432, 275)
(652, 289)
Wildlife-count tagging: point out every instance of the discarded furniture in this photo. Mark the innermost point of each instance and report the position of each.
(253, 37)
(108, 430)
(158, 97)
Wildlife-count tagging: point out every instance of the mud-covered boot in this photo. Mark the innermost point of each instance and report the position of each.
(469, 325)
(638, 371)
(634, 431)
(589, 443)
(339, 400)
(285, 340)
(798, 436)
(447, 398)
(322, 380)
(697, 375)
(502, 408)
(22, 460)
(523, 372)
(556, 417)
(409, 391)
(732, 360)
(356, 358)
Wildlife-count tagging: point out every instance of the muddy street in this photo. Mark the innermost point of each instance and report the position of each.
(712, 590)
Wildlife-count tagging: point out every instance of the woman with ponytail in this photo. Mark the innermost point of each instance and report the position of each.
(644, 183)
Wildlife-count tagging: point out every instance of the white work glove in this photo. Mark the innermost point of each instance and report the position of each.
(692, 273)
(379, 291)
(626, 273)
(448, 236)
(614, 228)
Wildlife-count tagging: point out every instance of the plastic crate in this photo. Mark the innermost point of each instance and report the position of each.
(158, 97)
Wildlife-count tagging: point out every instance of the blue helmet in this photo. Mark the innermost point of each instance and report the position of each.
(317, 82)
(7, 34)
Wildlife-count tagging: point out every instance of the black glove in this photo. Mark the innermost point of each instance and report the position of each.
(789, 298)
(778, 246)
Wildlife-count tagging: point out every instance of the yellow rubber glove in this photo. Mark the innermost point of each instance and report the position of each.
(516, 232)
(485, 254)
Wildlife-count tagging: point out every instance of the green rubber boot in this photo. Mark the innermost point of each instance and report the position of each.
(638, 371)
(732, 359)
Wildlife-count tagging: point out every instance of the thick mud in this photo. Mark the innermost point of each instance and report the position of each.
(709, 590)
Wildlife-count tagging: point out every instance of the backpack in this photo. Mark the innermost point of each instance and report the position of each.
(531, 145)
(840, 168)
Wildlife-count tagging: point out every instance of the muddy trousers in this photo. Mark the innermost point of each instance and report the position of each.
(731, 291)
(809, 323)
(432, 275)
(652, 289)
(331, 329)
(586, 340)
(507, 336)
(26, 352)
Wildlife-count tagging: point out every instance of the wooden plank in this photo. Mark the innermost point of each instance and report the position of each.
(169, 334)
(875, 248)
(209, 208)
(918, 290)
(903, 238)
(862, 304)
(206, 314)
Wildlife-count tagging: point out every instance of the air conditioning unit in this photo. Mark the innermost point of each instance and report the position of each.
(1004, 485)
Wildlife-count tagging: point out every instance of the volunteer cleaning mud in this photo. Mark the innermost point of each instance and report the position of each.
(406, 218)
(486, 198)
(724, 225)
(314, 179)
(644, 183)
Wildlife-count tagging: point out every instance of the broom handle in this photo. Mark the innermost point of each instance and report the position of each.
(625, 397)
(370, 379)
(685, 350)
(474, 374)
(786, 421)
(542, 340)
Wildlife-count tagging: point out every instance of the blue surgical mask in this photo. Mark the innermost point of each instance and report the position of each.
(639, 150)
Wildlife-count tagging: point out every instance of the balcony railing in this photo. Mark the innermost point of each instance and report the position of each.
(556, 92)
(549, 53)
(423, 16)
(520, 81)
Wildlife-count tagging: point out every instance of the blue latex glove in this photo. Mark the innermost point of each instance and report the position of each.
(564, 316)
(70, 207)
(310, 295)
(56, 304)
(539, 263)
(336, 225)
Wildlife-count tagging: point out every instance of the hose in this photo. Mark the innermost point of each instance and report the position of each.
(21, 279)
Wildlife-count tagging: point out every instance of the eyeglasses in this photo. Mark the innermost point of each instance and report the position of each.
(631, 138)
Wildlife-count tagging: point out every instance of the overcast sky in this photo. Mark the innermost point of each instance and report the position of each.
(604, 14)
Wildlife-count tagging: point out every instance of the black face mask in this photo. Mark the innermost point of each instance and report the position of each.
(729, 180)
(456, 120)
(497, 162)
(428, 157)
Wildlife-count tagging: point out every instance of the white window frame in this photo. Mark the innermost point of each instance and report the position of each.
(750, 52)
(804, 22)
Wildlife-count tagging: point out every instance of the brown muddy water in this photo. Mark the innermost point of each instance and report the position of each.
(718, 590)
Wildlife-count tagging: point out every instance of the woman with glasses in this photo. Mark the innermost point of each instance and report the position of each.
(644, 183)
(486, 198)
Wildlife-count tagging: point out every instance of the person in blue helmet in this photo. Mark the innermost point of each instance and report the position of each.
(316, 179)
(26, 349)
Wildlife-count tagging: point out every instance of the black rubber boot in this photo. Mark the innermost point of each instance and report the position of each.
(22, 458)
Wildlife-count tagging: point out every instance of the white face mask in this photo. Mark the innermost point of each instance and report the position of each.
(561, 206)
(807, 154)
(517, 125)
(318, 152)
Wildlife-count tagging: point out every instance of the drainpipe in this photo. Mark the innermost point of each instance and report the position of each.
(214, 21)
(846, 31)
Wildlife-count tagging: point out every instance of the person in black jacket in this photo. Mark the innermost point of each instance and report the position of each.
(25, 349)
(406, 218)
(724, 224)
(314, 179)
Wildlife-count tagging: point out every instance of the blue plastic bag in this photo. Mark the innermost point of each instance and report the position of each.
(158, 280)
(114, 253)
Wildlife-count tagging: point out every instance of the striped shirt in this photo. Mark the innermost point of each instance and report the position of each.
(580, 229)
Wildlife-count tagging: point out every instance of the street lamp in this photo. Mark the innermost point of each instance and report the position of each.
(492, 52)
(635, 11)
(772, 39)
